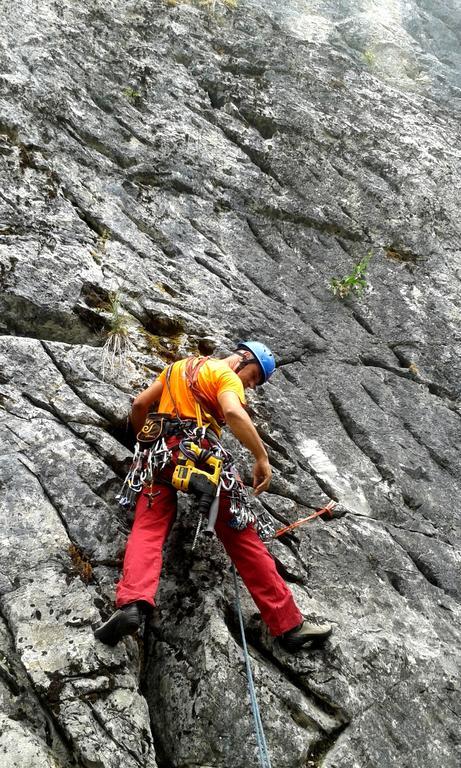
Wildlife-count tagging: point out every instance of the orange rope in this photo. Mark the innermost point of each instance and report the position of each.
(325, 510)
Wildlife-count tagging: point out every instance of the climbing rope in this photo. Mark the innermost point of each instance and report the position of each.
(328, 510)
(264, 759)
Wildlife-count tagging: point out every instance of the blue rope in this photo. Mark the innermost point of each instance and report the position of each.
(264, 759)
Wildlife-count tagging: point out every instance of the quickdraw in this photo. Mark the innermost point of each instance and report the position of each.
(146, 464)
(240, 503)
(265, 526)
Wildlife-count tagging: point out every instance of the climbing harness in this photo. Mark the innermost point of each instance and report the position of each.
(216, 472)
(263, 753)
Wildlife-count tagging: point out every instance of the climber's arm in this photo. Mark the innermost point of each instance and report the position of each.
(143, 402)
(244, 430)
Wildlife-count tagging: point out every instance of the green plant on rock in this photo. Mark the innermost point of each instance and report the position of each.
(132, 95)
(118, 346)
(369, 57)
(354, 283)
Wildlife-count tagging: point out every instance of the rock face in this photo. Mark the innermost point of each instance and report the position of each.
(175, 176)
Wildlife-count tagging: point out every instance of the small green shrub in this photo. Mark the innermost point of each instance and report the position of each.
(132, 95)
(354, 283)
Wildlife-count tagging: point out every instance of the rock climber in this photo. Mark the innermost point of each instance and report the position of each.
(215, 387)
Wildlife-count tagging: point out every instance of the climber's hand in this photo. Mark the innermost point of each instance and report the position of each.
(262, 474)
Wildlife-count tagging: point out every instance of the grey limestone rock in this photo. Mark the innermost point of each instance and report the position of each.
(197, 173)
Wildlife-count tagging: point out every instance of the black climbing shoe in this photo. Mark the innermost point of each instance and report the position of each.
(311, 629)
(125, 621)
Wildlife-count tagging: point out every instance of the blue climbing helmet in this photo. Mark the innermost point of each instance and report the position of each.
(261, 355)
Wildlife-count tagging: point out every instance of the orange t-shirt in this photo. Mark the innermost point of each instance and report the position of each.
(214, 377)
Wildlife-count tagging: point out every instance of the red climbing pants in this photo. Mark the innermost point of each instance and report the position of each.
(143, 559)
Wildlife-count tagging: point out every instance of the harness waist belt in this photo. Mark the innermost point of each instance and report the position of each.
(174, 427)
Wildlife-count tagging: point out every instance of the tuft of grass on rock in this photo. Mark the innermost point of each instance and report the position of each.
(354, 283)
(132, 95)
(81, 564)
(118, 346)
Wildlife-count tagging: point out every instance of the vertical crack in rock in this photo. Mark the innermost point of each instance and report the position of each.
(264, 242)
(215, 270)
(441, 462)
(121, 748)
(88, 401)
(95, 449)
(359, 318)
(360, 438)
(318, 752)
(47, 495)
